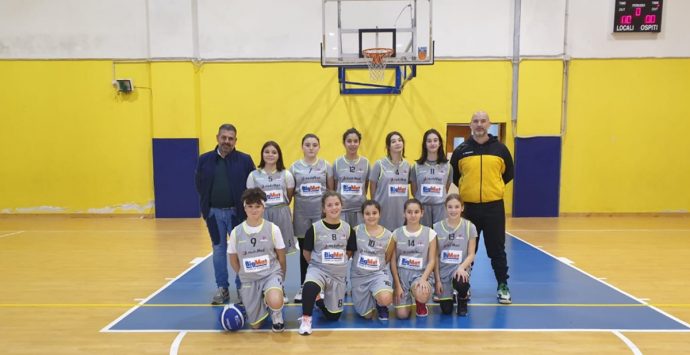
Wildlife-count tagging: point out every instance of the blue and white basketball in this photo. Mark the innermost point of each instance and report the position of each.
(232, 317)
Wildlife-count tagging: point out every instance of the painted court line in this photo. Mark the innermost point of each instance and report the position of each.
(603, 282)
(600, 230)
(628, 342)
(175, 346)
(398, 330)
(10, 234)
(349, 304)
(118, 319)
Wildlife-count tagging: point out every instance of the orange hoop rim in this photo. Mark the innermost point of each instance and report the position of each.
(377, 54)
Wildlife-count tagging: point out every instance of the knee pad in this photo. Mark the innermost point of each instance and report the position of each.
(446, 306)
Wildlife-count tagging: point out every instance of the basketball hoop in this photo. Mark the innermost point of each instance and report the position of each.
(376, 61)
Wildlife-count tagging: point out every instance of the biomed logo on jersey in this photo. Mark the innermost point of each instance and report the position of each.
(311, 188)
(255, 264)
(412, 263)
(368, 262)
(274, 196)
(398, 189)
(431, 189)
(352, 188)
(333, 256)
(450, 256)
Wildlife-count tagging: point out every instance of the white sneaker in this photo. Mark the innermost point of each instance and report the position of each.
(298, 296)
(305, 325)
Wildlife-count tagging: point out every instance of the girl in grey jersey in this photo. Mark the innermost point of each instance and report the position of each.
(313, 177)
(328, 245)
(351, 177)
(279, 185)
(457, 241)
(372, 285)
(389, 179)
(415, 256)
(430, 178)
(257, 254)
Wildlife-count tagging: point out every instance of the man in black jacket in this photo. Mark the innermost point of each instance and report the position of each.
(221, 178)
(482, 166)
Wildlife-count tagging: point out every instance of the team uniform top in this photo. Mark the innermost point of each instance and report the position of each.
(453, 243)
(431, 179)
(274, 184)
(350, 179)
(371, 251)
(329, 244)
(413, 248)
(255, 247)
(310, 184)
(392, 182)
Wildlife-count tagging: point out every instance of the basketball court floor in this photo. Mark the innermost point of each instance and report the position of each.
(131, 285)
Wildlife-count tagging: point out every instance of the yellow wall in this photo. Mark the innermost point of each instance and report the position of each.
(626, 148)
(68, 141)
(540, 97)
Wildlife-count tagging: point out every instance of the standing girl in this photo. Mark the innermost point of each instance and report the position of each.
(430, 178)
(415, 255)
(389, 181)
(279, 186)
(257, 254)
(313, 177)
(328, 245)
(351, 175)
(457, 241)
(371, 281)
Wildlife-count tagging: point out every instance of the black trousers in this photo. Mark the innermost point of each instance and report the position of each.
(490, 218)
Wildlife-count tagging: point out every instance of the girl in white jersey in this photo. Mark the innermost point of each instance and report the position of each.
(389, 181)
(415, 256)
(313, 177)
(257, 254)
(430, 178)
(457, 241)
(351, 176)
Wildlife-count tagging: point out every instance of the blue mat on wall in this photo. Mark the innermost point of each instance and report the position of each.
(537, 177)
(174, 162)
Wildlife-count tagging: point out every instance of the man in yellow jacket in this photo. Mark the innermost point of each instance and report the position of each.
(482, 166)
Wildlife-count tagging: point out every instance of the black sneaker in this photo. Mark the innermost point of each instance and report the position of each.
(382, 312)
(462, 307)
(278, 327)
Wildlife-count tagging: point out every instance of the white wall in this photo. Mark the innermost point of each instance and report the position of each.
(275, 29)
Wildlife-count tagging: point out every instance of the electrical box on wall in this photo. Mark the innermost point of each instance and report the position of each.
(123, 85)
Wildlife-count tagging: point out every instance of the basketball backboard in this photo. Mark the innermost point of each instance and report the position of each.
(351, 26)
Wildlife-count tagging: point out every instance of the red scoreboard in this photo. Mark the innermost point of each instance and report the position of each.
(637, 16)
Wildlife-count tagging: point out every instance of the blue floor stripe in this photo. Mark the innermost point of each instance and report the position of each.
(536, 279)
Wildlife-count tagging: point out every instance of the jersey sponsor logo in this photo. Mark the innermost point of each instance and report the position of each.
(397, 190)
(368, 262)
(256, 264)
(433, 190)
(451, 256)
(333, 256)
(310, 189)
(351, 188)
(410, 262)
(274, 197)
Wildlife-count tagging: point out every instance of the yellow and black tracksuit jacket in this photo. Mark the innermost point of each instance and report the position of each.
(481, 171)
